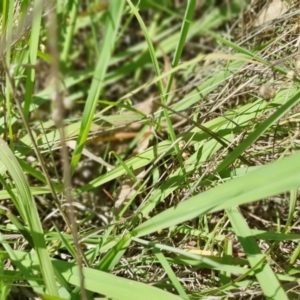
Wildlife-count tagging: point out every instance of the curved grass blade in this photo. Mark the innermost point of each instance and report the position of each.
(183, 34)
(28, 211)
(275, 178)
(258, 132)
(263, 272)
(113, 19)
(101, 282)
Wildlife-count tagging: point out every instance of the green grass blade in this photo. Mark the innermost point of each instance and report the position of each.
(113, 256)
(101, 282)
(113, 19)
(124, 165)
(258, 132)
(275, 178)
(263, 272)
(14, 220)
(66, 243)
(134, 163)
(161, 88)
(185, 258)
(161, 258)
(25, 271)
(181, 42)
(67, 35)
(33, 50)
(30, 215)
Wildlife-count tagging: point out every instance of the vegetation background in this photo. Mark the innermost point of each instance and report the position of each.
(149, 150)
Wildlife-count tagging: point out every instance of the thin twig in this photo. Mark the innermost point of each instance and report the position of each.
(58, 117)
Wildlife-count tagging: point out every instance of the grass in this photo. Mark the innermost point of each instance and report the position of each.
(139, 158)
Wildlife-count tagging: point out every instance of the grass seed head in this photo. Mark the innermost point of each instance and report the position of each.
(291, 75)
(267, 92)
(297, 64)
